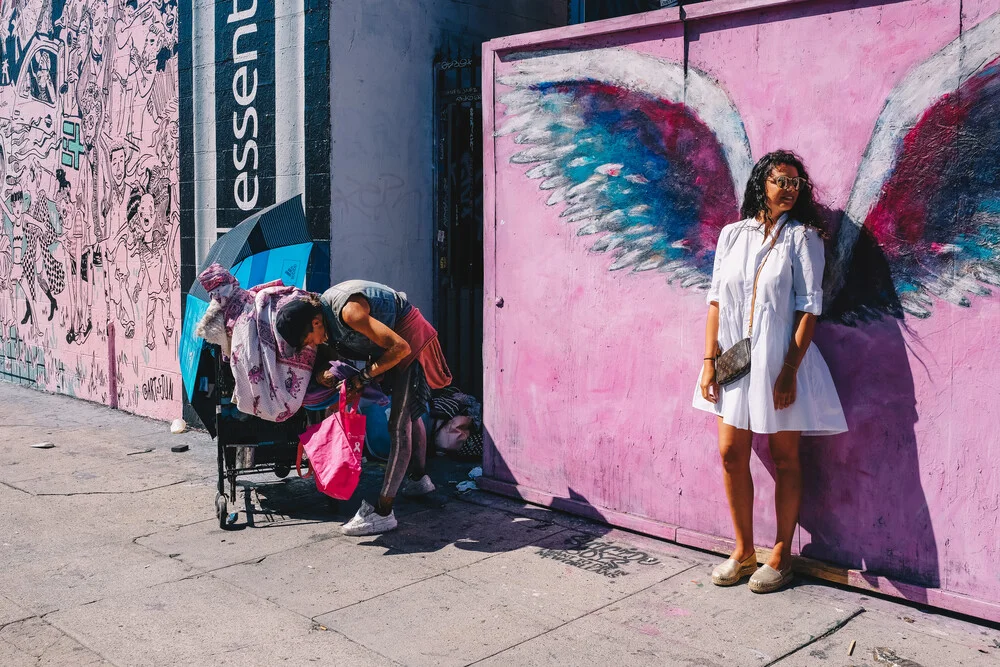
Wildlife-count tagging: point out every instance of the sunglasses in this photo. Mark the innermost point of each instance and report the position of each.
(789, 182)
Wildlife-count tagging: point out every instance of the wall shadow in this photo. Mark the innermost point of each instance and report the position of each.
(863, 504)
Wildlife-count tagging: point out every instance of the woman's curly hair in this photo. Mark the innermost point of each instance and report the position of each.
(755, 198)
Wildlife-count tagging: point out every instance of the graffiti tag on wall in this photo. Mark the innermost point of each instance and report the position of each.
(89, 184)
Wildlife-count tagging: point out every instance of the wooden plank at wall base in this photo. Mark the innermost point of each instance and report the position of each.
(723, 546)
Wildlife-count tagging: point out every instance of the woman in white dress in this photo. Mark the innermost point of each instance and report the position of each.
(788, 391)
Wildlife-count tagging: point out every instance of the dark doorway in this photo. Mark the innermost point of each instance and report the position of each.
(458, 247)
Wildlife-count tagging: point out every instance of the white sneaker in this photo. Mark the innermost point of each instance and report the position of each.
(420, 487)
(368, 522)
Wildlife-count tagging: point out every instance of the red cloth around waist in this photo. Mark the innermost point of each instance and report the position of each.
(424, 347)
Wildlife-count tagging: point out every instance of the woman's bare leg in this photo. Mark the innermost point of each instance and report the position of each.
(734, 447)
(787, 494)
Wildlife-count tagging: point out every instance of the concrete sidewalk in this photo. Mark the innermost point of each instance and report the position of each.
(110, 554)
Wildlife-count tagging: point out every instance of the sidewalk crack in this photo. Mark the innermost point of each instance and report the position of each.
(828, 632)
(16, 488)
(111, 493)
(375, 597)
(20, 620)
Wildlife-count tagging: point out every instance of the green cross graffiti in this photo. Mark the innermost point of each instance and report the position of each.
(72, 146)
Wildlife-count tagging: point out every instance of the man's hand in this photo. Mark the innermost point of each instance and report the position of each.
(325, 378)
(355, 385)
(354, 388)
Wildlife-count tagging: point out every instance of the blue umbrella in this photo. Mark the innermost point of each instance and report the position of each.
(272, 244)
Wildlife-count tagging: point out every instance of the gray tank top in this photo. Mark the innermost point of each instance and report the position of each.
(387, 306)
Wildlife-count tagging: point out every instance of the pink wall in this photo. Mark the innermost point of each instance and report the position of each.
(590, 371)
(89, 226)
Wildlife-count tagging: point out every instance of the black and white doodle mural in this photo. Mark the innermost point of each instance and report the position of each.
(89, 200)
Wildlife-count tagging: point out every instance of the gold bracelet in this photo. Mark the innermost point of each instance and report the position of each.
(794, 368)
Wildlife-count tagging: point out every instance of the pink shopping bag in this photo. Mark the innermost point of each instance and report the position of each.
(334, 449)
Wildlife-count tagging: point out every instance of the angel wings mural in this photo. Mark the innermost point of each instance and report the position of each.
(652, 160)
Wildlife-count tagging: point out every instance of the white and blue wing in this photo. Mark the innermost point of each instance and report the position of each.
(632, 151)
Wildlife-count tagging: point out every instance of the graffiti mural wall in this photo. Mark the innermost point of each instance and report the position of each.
(620, 156)
(89, 259)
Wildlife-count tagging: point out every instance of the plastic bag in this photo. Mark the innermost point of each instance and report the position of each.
(334, 448)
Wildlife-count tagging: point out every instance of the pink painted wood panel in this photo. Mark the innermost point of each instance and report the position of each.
(591, 371)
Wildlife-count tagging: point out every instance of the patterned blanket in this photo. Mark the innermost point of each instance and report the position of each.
(271, 377)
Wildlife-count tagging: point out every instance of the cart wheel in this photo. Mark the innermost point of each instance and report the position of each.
(281, 471)
(221, 511)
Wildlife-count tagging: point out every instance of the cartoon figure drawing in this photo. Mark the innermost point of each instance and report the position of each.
(39, 227)
(141, 77)
(147, 239)
(7, 301)
(41, 86)
(81, 68)
(130, 32)
(114, 211)
(22, 273)
(77, 242)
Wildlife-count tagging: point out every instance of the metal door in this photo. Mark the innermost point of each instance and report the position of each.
(458, 247)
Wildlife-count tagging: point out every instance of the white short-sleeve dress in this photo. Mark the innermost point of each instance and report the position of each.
(791, 280)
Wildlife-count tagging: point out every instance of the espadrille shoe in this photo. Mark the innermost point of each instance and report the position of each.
(769, 580)
(732, 571)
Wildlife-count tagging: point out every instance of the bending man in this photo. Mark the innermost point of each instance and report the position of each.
(368, 321)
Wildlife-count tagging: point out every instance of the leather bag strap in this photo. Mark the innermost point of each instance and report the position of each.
(753, 299)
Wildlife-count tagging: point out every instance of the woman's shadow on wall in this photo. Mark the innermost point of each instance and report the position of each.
(863, 505)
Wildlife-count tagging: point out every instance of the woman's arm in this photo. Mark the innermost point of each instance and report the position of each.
(709, 387)
(808, 262)
(802, 334)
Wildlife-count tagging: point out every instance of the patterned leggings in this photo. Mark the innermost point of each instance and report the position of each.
(406, 428)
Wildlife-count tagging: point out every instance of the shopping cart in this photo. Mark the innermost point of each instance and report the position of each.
(248, 445)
